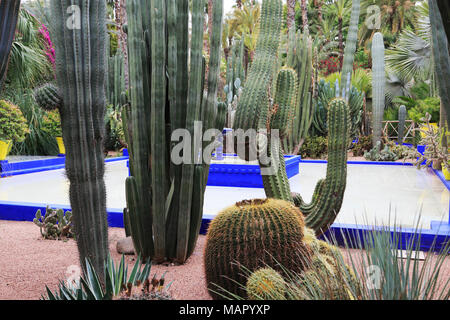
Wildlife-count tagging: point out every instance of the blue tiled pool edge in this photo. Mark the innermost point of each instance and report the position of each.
(438, 232)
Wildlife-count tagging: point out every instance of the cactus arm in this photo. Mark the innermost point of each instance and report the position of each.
(158, 128)
(80, 70)
(378, 85)
(195, 95)
(440, 51)
(329, 193)
(138, 132)
(9, 12)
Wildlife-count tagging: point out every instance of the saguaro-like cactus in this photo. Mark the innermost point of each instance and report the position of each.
(9, 12)
(378, 86)
(164, 197)
(401, 123)
(115, 86)
(80, 72)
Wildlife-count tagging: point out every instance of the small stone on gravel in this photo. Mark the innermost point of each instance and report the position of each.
(125, 246)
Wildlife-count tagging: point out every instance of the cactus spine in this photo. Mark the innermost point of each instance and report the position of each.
(80, 71)
(9, 12)
(378, 86)
(439, 10)
(401, 123)
(253, 234)
(165, 199)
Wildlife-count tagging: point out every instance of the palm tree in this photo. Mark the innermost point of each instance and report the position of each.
(342, 10)
(411, 56)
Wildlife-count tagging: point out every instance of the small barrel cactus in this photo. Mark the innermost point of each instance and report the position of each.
(47, 97)
(266, 284)
(253, 234)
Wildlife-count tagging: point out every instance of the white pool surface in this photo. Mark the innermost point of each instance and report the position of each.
(375, 194)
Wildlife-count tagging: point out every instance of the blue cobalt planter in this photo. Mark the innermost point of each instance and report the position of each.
(245, 175)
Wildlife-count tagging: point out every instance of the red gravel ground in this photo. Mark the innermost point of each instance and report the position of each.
(28, 263)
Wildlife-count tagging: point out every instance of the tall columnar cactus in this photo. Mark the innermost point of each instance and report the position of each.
(350, 48)
(115, 86)
(378, 86)
(253, 234)
(300, 58)
(164, 195)
(9, 12)
(439, 18)
(253, 107)
(401, 123)
(235, 68)
(80, 71)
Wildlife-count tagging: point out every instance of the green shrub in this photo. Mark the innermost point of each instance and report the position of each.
(13, 125)
(55, 224)
(431, 105)
(314, 147)
(52, 123)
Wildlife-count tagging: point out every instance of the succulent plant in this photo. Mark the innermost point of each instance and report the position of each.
(401, 123)
(54, 224)
(378, 154)
(81, 74)
(118, 284)
(378, 86)
(253, 234)
(47, 97)
(266, 284)
(164, 198)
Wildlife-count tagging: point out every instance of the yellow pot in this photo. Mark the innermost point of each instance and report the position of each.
(425, 128)
(62, 149)
(5, 147)
(446, 173)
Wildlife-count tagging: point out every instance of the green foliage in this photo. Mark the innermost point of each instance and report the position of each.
(267, 230)
(55, 224)
(118, 284)
(38, 141)
(429, 105)
(13, 125)
(52, 124)
(378, 154)
(403, 152)
(115, 136)
(314, 147)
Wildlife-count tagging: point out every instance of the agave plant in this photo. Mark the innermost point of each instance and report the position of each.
(118, 285)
